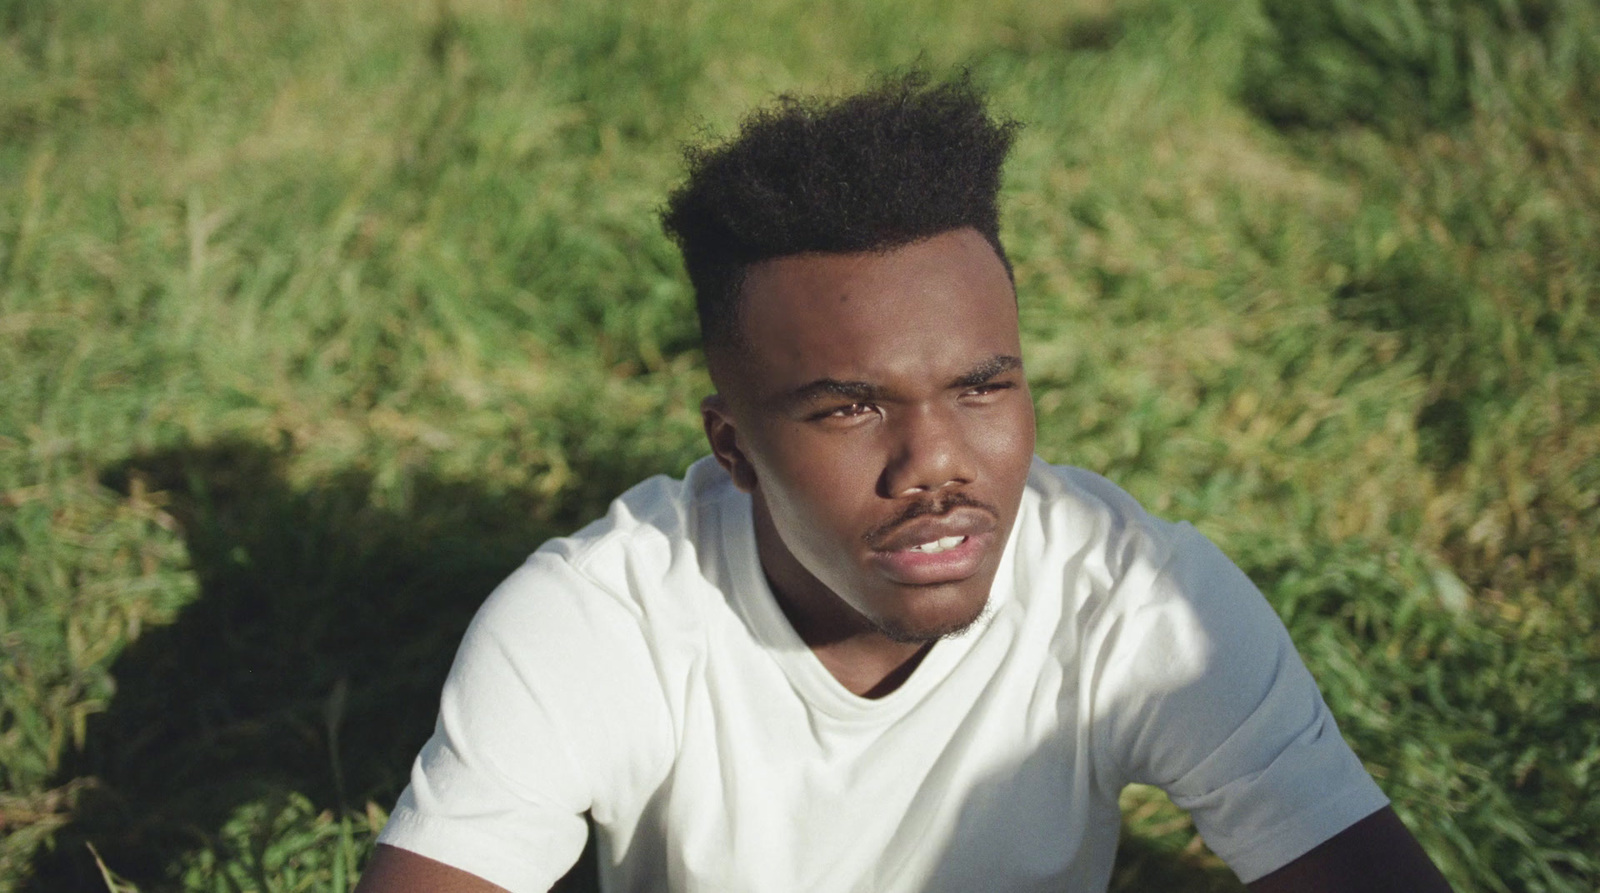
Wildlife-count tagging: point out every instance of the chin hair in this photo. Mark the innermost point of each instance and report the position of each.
(908, 635)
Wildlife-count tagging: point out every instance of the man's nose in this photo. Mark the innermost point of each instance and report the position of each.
(928, 452)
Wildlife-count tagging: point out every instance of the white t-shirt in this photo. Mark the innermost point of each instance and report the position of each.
(642, 672)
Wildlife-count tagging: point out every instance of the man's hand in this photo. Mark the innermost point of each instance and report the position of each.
(393, 870)
(1375, 855)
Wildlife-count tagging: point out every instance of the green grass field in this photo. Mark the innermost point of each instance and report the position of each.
(316, 317)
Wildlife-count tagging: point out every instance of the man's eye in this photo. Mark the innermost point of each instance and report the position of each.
(849, 411)
(983, 390)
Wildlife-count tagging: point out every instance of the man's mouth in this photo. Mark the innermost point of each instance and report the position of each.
(930, 534)
(942, 544)
(945, 559)
(935, 549)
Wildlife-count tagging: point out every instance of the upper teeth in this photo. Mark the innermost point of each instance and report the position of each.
(940, 544)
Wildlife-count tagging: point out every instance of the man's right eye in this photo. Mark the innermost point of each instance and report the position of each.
(847, 411)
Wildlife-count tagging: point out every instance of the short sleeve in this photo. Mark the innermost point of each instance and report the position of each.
(1210, 701)
(551, 708)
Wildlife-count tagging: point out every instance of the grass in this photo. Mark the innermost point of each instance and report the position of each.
(316, 317)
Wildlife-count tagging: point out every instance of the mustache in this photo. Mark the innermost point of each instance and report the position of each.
(922, 508)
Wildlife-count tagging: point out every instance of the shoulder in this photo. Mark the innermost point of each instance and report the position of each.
(1101, 537)
(1165, 575)
(575, 647)
(1196, 685)
(653, 543)
(654, 520)
(1168, 615)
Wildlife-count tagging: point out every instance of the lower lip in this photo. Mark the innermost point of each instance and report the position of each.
(932, 568)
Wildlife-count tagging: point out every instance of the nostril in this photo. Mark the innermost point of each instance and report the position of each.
(924, 488)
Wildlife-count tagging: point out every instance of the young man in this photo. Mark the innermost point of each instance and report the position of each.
(873, 644)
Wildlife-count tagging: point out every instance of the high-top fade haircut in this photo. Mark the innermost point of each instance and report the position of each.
(903, 161)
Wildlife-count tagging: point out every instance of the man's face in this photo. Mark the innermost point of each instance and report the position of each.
(879, 417)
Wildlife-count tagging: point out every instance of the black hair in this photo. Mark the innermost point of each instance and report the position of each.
(903, 161)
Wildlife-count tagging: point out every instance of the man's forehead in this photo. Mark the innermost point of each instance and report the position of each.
(958, 261)
(932, 310)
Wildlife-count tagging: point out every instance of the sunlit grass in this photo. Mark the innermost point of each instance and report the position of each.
(315, 317)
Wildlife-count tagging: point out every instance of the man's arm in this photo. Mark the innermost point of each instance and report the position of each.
(393, 870)
(1375, 855)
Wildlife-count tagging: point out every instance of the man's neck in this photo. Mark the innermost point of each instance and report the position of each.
(861, 657)
(863, 660)
(872, 674)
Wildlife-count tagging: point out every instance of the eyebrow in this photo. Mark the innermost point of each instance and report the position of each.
(824, 388)
(995, 366)
(866, 392)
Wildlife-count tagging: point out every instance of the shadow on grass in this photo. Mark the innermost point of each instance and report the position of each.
(313, 605)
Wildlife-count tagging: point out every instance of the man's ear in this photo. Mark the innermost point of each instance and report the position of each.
(723, 436)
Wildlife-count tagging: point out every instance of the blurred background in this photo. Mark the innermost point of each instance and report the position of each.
(316, 316)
